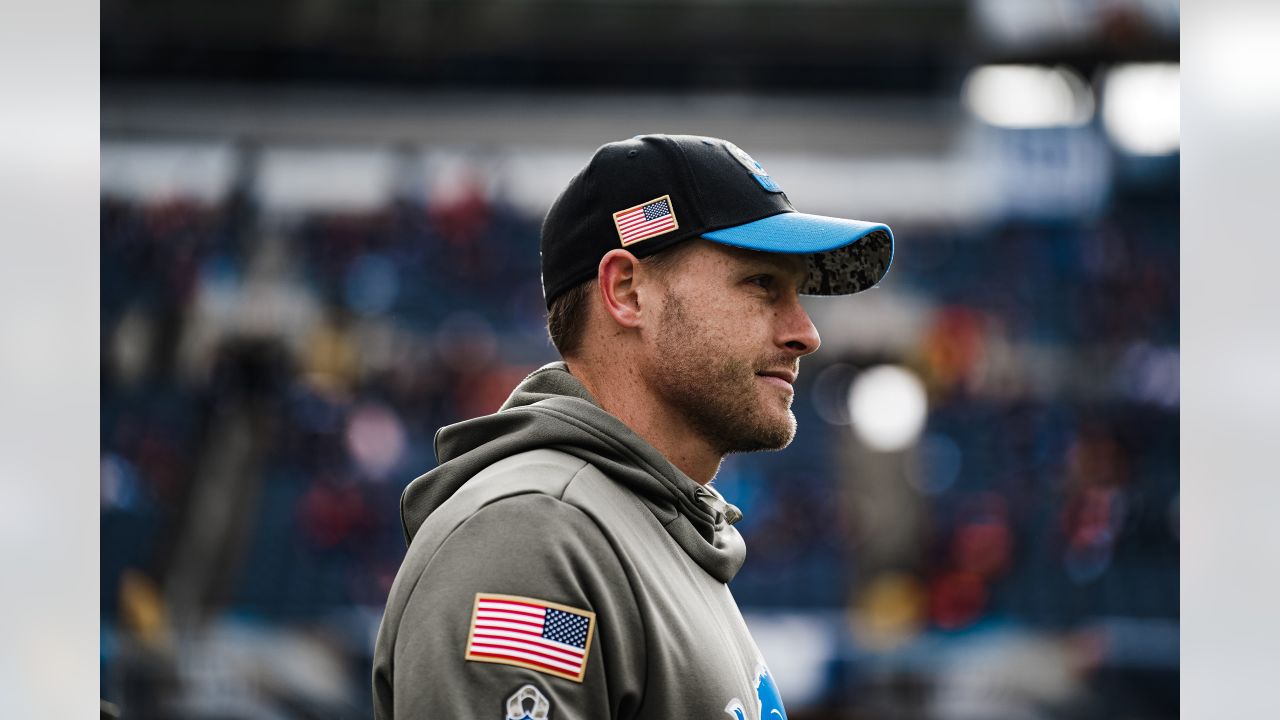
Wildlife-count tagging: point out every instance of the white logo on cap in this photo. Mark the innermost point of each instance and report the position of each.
(756, 169)
(747, 161)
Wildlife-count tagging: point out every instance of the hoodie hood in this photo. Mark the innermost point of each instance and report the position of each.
(551, 409)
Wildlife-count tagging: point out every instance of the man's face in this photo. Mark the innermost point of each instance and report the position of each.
(728, 343)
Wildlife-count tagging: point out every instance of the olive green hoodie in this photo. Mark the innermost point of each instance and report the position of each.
(612, 562)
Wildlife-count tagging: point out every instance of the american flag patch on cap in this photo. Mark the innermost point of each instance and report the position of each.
(531, 633)
(645, 220)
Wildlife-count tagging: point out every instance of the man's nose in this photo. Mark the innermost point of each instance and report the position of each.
(798, 331)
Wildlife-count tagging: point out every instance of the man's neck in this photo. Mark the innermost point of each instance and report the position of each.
(627, 397)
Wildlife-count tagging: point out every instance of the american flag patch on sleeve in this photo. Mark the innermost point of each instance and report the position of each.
(531, 633)
(645, 220)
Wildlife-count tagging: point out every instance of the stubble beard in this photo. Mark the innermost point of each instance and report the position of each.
(718, 395)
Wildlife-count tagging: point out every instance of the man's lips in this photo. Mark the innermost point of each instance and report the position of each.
(787, 375)
(781, 378)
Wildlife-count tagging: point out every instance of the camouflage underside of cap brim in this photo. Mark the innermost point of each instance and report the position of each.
(850, 269)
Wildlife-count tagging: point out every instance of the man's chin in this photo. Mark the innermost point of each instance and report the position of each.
(774, 436)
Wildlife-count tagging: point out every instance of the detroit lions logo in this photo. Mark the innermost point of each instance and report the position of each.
(755, 168)
(767, 695)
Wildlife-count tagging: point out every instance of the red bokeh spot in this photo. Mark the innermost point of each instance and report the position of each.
(956, 600)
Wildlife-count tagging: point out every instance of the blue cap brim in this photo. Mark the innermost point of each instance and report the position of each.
(845, 256)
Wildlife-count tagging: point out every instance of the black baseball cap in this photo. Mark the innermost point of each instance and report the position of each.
(653, 191)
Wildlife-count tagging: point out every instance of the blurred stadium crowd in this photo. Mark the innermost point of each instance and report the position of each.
(271, 382)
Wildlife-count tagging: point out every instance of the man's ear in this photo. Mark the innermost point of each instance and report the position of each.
(616, 277)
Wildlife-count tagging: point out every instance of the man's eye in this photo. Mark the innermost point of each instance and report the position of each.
(764, 281)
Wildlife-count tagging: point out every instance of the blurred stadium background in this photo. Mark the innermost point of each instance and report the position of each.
(319, 227)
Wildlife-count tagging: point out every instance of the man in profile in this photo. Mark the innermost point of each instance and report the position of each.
(568, 558)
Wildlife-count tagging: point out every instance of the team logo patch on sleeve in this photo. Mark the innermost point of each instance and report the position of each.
(646, 220)
(530, 633)
(528, 703)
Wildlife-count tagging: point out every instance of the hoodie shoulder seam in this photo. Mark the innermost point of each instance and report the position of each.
(564, 490)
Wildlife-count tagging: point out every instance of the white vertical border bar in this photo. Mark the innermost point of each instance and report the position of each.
(1230, 257)
(49, 317)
